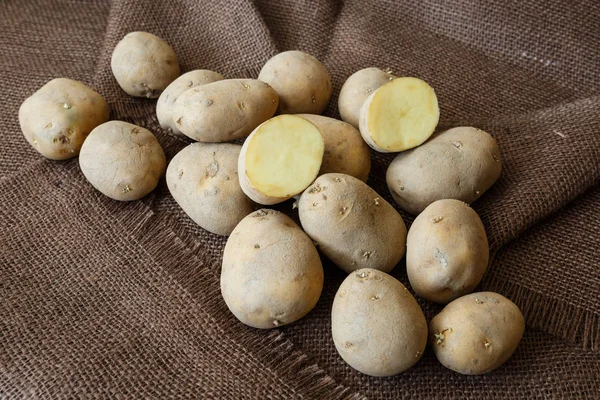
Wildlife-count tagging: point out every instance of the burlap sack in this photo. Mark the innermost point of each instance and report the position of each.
(100, 299)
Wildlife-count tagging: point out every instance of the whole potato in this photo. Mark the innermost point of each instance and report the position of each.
(203, 180)
(460, 163)
(352, 225)
(122, 160)
(144, 64)
(345, 150)
(377, 326)
(166, 101)
(57, 118)
(476, 333)
(300, 80)
(447, 251)
(224, 110)
(357, 88)
(272, 274)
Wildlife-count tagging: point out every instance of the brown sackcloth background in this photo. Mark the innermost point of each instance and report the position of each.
(100, 299)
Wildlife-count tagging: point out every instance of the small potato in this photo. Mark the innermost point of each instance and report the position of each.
(144, 64)
(57, 118)
(203, 180)
(272, 274)
(166, 101)
(447, 251)
(476, 333)
(300, 80)
(399, 115)
(357, 88)
(225, 110)
(460, 163)
(377, 326)
(345, 150)
(122, 160)
(280, 159)
(353, 226)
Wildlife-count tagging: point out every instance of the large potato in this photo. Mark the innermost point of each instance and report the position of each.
(57, 118)
(203, 180)
(144, 64)
(166, 101)
(224, 110)
(122, 160)
(447, 251)
(377, 326)
(300, 80)
(476, 333)
(460, 163)
(271, 274)
(345, 150)
(351, 224)
(357, 88)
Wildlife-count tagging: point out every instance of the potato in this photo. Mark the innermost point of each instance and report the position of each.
(280, 159)
(476, 333)
(352, 225)
(357, 88)
(300, 80)
(271, 274)
(460, 163)
(144, 64)
(224, 110)
(203, 180)
(166, 101)
(399, 115)
(345, 150)
(377, 326)
(122, 160)
(57, 118)
(447, 251)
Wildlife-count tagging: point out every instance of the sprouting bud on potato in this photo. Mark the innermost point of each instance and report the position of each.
(122, 160)
(271, 274)
(166, 101)
(378, 327)
(301, 81)
(460, 163)
(144, 64)
(399, 115)
(345, 150)
(57, 118)
(357, 88)
(476, 333)
(280, 159)
(352, 225)
(203, 180)
(447, 251)
(224, 110)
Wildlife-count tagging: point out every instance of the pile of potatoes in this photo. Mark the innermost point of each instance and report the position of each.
(272, 273)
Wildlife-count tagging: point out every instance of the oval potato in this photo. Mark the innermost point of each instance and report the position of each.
(460, 163)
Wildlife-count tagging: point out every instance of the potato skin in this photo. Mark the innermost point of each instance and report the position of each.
(357, 88)
(301, 81)
(460, 163)
(447, 251)
(224, 110)
(378, 327)
(345, 150)
(166, 101)
(57, 118)
(144, 64)
(271, 274)
(122, 160)
(203, 180)
(476, 333)
(352, 225)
